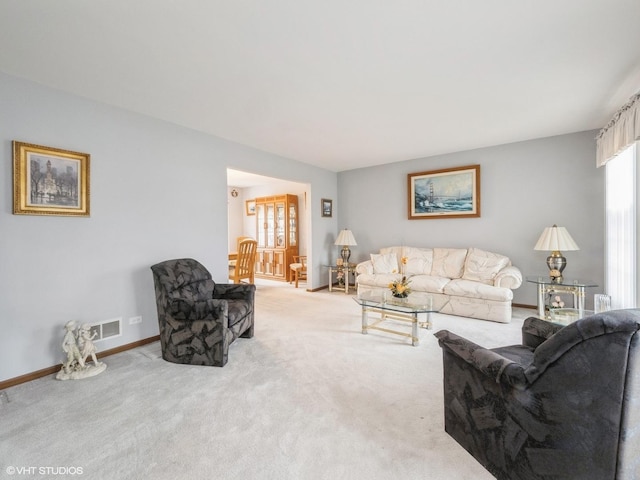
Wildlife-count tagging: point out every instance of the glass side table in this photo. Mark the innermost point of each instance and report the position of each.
(342, 274)
(548, 286)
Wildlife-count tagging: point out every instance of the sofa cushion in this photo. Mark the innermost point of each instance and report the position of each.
(483, 266)
(470, 288)
(397, 250)
(384, 263)
(427, 283)
(448, 262)
(378, 280)
(419, 261)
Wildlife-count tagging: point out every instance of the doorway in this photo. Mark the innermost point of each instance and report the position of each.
(244, 187)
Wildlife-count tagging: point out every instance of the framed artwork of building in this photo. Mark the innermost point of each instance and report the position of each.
(50, 181)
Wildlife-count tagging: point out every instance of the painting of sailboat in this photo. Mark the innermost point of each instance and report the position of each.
(446, 193)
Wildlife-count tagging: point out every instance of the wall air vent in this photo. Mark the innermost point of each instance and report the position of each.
(107, 329)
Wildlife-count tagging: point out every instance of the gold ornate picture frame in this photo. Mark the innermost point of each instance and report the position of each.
(50, 181)
(445, 193)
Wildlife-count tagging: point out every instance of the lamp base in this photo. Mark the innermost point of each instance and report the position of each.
(345, 253)
(556, 263)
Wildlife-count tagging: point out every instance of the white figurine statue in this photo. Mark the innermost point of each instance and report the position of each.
(85, 343)
(70, 347)
(78, 346)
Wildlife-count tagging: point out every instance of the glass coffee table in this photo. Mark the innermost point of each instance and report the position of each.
(415, 310)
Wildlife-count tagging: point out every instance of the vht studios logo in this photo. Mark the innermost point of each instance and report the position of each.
(44, 470)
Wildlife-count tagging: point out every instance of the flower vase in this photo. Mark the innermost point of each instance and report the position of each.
(401, 298)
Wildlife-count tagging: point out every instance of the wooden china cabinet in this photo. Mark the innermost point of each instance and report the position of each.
(277, 235)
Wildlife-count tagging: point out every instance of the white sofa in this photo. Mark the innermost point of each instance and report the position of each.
(476, 283)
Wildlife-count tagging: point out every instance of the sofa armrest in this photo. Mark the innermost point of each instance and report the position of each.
(491, 364)
(508, 277)
(365, 267)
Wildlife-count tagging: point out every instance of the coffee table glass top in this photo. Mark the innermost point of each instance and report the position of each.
(567, 282)
(415, 303)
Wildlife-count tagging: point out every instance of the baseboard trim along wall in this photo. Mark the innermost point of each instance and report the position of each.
(51, 370)
(524, 305)
(12, 382)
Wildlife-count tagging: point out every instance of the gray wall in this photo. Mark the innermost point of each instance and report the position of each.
(525, 187)
(158, 191)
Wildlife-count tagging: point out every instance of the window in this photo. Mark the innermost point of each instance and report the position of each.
(621, 229)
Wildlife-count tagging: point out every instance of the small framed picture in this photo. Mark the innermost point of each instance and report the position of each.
(327, 207)
(250, 206)
(50, 181)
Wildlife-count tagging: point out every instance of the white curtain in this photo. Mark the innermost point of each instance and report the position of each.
(620, 132)
(621, 261)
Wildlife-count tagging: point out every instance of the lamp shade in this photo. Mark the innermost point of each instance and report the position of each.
(555, 239)
(345, 238)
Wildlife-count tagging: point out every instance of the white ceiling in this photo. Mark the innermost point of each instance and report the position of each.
(340, 84)
(237, 178)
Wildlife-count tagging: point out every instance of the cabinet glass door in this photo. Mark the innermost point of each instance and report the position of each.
(260, 225)
(270, 225)
(280, 225)
(293, 227)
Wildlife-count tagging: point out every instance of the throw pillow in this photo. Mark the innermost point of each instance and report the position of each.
(387, 263)
(419, 261)
(448, 262)
(482, 266)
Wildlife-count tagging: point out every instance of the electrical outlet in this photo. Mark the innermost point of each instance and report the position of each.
(134, 320)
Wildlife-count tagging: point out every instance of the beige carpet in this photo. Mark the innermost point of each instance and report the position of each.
(309, 397)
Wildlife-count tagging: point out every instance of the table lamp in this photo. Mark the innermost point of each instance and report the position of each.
(554, 239)
(345, 238)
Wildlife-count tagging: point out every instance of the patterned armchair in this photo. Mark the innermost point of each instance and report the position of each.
(198, 318)
(564, 405)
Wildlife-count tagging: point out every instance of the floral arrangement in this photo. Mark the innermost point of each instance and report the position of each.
(403, 262)
(557, 302)
(400, 288)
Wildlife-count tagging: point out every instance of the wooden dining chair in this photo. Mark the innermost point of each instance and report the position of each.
(245, 263)
(298, 269)
(234, 255)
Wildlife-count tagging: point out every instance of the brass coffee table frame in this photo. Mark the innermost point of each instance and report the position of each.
(417, 312)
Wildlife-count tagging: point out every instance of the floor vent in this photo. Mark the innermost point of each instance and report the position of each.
(107, 329)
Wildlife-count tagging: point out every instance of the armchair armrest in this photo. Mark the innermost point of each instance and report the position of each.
(489, 363)
(535, 331)
(365, 267)
(234, 291)
(508, 277)
(213, 310)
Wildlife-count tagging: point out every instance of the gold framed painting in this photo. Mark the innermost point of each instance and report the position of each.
(445, 193)
(50, 181)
